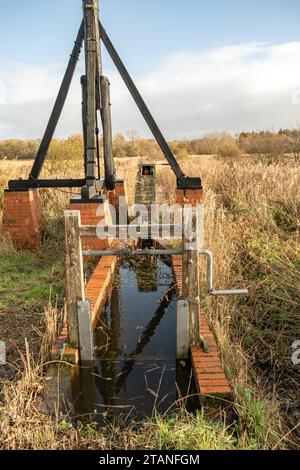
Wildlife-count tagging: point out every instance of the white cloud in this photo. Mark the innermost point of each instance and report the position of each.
(234, 88)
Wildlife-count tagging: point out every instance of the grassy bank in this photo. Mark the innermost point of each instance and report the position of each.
(252, 227)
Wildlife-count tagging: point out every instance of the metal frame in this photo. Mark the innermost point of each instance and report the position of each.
(58, 106)
(183, 182)
(95, 98)
(91, 232)
(78, 309)
(133, 253)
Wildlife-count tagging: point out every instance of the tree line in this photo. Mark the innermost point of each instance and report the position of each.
(265, 144)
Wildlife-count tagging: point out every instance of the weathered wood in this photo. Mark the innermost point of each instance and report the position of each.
(24, 185)
(84, 117)
(107, 134)
(74, 273)
(98, 58)
(190, 271)
(91, 65)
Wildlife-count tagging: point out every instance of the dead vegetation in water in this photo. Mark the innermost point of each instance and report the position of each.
(23, 426)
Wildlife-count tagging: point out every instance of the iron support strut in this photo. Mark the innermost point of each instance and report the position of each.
(183, 181)
(58, 107)
(95, 88)
(25, 185)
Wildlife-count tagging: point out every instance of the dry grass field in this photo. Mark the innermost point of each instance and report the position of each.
(252, 225)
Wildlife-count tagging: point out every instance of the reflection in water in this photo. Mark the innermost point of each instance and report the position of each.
(135, 361)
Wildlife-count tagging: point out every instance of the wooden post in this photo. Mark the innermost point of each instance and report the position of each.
(84, 118)
(74, 273)
(107, 134)
(190, 271)
(91, 66)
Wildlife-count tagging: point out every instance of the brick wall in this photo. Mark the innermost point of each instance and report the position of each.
(189, 196)
(92, 212)
(119, 191)
(22, 218)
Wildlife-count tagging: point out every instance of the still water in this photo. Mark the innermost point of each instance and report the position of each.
(136, 372)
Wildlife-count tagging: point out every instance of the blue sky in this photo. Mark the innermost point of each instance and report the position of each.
(197, 40)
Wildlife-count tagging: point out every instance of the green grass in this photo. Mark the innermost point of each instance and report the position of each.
(177, 431)
(267, 323)
(262, 239)
(257, 429)
(29, 280)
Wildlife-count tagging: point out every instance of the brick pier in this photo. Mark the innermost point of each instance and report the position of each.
(209, 373)
(22, 218)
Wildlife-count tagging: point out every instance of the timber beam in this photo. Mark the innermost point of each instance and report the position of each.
(24, 185)
(87, 192)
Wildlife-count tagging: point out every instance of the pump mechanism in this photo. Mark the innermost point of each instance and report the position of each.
(95, 108)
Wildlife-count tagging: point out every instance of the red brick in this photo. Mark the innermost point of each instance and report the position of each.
(22, 218)
(208, 370)
(213, 382)
(193, 197)
(210, 376)
(216, 391)
(198, 361)
(214, 369)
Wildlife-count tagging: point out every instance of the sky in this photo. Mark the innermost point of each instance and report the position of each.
(202, 66)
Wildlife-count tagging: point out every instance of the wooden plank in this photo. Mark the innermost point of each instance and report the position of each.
(91, 64)
(107, 134)
(74, 273)
(190, 271)
(84, 116)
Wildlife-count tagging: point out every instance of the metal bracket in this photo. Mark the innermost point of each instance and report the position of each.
(210, 290)
(183, 330)
(88, 192)
(85, 332)
(187, 182)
